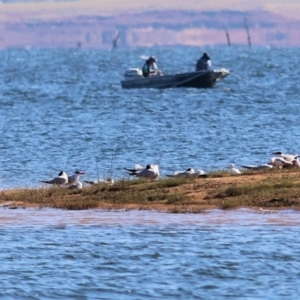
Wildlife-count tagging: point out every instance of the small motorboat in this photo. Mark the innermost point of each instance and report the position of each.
(133, 79)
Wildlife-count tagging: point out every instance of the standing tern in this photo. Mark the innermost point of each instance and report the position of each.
(73, 179)
(234, 171)
(61, 179)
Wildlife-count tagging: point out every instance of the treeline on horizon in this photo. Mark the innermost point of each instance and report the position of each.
(151, 28)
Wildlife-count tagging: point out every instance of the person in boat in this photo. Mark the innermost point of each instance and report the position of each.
(150, 67)
(203, 63)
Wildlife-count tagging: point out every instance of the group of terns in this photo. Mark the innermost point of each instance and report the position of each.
(189, 172)
(72, 182)
(279, 160)
(65, 180)
(151, 171)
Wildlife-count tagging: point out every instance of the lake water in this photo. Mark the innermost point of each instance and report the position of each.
(65, 110)
(243, 254)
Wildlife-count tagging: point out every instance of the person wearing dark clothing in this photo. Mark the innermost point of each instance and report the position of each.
(150, 68)
(203, 63)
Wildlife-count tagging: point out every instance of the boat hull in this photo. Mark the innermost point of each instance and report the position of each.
(191, 79)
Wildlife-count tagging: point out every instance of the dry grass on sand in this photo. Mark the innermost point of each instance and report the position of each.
(276, 189)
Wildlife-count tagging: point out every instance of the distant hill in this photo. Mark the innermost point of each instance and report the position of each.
(145, 29)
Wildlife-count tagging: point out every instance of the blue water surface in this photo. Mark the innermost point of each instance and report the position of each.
(64, 109)
(240, 254)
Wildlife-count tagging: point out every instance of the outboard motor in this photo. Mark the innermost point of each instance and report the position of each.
(133, 73)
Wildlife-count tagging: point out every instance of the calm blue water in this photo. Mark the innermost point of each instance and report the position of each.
(65, 110)
(243, 254)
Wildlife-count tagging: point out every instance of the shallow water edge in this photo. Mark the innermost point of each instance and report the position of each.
(95, 217)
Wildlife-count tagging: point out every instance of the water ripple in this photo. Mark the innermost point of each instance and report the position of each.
(136, 255)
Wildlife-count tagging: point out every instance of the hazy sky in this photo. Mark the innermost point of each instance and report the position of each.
(50, 9)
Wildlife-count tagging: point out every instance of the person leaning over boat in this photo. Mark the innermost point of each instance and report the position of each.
(203, 63)
(150, 67)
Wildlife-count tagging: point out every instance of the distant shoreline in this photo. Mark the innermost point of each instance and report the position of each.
(94, 30)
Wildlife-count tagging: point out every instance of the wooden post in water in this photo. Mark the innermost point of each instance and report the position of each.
(115, 41)
(248, 33)
(227, 36)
